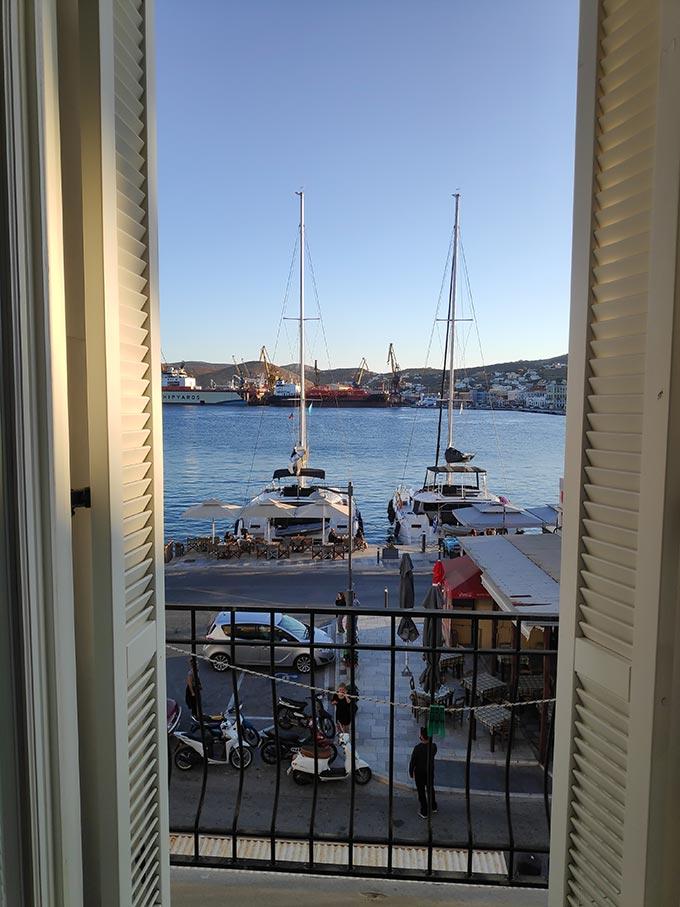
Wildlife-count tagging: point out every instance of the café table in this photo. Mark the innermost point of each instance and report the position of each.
(529, 686)
(487, 687)
(495, 718)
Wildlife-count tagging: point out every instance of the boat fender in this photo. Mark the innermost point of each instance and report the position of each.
(390, 511)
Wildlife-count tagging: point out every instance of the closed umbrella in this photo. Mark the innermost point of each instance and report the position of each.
(406, 630)
(431, 678)
(211, 509)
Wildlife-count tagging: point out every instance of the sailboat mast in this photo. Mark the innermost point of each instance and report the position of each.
(452, 316)
(303, 397)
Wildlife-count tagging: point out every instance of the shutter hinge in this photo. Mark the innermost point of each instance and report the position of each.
(80, 497)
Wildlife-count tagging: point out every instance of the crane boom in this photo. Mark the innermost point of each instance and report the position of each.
(396, 372)
(359, 374)
(270, 373)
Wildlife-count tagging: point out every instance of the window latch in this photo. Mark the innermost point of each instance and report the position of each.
(80, 497)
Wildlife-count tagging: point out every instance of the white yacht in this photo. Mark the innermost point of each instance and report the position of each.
(451, 483)
(298, 501)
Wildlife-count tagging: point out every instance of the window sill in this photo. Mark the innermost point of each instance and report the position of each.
(211, 887)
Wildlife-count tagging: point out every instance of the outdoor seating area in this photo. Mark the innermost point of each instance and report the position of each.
(300, 545)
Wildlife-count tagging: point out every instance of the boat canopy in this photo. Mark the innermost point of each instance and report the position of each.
(454, 467)
(311, 473)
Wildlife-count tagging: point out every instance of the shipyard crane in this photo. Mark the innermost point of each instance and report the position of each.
(395, 386)
(359, 374)
(270, 375)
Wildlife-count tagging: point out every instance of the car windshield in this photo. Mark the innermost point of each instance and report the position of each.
(293, 626)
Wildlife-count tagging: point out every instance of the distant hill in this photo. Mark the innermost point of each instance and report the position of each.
(221, 373)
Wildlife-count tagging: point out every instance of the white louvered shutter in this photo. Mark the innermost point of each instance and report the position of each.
(124, 411)
(618, 437)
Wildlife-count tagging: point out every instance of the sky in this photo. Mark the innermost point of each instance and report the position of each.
(380, 110)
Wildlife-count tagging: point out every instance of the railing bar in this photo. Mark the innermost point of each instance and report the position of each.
(548, 756)
(376, 647)
(471, 729)
(241, 749)
(352, 633)
(201, 724)
(513, 698)
(277, 787)
(390, 789)
(536, 617)
(315, 741)
(433, 627)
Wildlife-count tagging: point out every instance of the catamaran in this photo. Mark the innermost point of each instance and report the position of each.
(452, 483)
(297, 501)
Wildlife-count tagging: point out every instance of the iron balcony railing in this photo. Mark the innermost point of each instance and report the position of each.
(489, 709)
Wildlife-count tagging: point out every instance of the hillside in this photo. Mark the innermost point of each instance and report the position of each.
(221, 373)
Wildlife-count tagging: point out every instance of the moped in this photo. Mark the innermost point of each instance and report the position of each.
(249, 732)
(303, 766)
(290, 742)
(292, 712)
(218, 749)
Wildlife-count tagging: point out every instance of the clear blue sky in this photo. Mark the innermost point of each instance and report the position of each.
(379, 109)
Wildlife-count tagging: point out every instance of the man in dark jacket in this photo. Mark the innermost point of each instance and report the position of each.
(422, 755)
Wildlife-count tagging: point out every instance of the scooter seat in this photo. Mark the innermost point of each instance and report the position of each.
(322, 752)
(288, 735)
(296, 703)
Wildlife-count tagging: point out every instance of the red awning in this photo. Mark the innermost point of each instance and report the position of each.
(463, 578)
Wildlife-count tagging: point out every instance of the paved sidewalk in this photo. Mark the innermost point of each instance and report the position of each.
(362, 562)
(372, 678)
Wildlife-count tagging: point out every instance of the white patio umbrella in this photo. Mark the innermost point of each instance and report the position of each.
(267, 510)
(211, 509)
(323, 510)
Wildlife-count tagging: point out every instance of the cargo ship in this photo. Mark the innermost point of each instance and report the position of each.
(180, 388)
(288, 394)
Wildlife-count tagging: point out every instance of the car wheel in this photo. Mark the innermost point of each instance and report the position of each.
(184, 758)
(241, 757)
(303, 664)
(220, 662)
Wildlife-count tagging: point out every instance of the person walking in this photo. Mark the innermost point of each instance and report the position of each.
(420, 766)
(340, 602)
(193, 687)
(345, 706)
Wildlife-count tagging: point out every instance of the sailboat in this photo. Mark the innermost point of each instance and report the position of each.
(449, 485)
(297, 501)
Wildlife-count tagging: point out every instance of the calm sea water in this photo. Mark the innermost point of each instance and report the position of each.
(230, 453)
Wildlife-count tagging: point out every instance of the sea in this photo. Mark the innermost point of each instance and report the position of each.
(230, 453)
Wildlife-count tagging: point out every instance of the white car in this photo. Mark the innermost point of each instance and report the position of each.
(255, 628)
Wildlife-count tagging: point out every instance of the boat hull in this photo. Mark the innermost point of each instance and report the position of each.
(188, 397)
(336, 400)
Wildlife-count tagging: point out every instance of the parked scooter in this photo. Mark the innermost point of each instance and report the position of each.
(290, 742)
(302, 766)
(295, 712)
(249, 732)
(218, 749)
